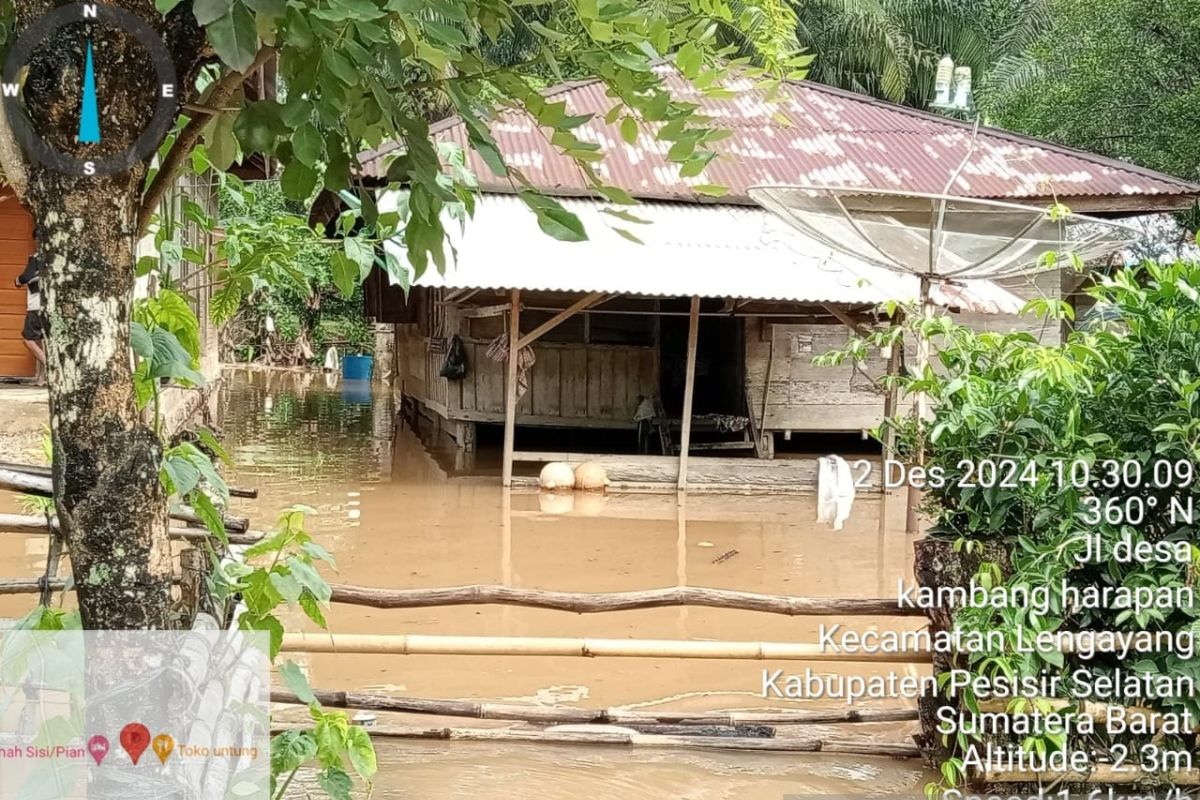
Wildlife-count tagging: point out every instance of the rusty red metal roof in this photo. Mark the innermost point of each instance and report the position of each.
(813, 133)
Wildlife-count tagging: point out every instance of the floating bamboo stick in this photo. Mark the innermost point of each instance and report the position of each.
(626, 738)
(571, 715)
(585, 603)
(1098, 774)
(26, 523)
(42, 487)
(413, 644)
(44, 471)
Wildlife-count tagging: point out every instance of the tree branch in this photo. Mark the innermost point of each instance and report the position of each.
(221, 92)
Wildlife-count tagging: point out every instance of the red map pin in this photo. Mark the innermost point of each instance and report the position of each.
(135, 738)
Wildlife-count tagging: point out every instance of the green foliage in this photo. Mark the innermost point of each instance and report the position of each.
(286, 575)
(1118, 398)
(1115, 77)
(165, 337)
(890, 48)
(312, 309)
(358, 74)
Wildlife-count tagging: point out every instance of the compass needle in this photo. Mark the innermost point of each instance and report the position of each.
(89, 115)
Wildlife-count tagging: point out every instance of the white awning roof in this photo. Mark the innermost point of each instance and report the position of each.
(688, 250)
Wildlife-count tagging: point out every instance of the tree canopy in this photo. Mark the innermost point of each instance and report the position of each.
(1116, 77)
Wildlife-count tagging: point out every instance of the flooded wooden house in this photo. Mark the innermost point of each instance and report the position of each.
(695, 332)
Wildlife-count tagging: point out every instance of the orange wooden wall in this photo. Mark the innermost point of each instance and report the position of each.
(16, 243)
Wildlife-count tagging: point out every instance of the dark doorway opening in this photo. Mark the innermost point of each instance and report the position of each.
(720, 361)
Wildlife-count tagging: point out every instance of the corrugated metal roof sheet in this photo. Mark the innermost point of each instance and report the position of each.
(830, 137)
(687, 250)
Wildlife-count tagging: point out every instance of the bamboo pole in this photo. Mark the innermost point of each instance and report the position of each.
(45, 472)
(417, 644)
(567, 715)
(600, 602)
(627, 738)
(689, 390)
(510, 386)
(42, 487)
(28, 524)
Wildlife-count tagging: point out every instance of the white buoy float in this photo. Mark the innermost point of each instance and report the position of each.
(557, 477)
(591, 477)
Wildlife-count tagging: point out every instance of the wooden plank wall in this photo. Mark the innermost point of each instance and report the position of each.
(16, 243)
(803, 397)
(574, 383)
(594, 383)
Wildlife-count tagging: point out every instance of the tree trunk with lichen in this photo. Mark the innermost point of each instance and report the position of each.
(111, 504)
(106, 460)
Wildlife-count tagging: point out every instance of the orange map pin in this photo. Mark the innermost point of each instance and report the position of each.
(164, 745)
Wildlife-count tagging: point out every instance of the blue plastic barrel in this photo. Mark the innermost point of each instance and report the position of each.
(357, 368)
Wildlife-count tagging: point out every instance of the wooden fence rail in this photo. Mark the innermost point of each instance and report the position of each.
(595, 603)
(567, 715)
(627, 738)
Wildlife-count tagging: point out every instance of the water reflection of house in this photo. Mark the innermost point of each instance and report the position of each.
(610, 321)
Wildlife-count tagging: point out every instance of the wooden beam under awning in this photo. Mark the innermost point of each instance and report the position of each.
(595, 298)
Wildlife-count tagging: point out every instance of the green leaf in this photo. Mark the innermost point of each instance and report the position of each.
(295, 680)
(312, 609)
(307, 144)
(362, 752)
(445, 34)
(345, 273)
(140, 340)
(234, 37)
(310, 579)
(298, 181)
(336, 783)
(209, 440)
(629, 130)
(286, 584)
(206, 11)
(266, 623)
(290, 749)
(210, 515)
(553, 219)
(166, 6)
(183, 475)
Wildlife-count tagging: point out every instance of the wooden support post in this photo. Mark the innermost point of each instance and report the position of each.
(689, 390)
(892, 399)
(510, 387)
(192, 569)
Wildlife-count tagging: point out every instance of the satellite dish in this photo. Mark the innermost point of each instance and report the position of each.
(941, 238)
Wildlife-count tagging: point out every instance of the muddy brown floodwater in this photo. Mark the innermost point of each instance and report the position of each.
(395, 517)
